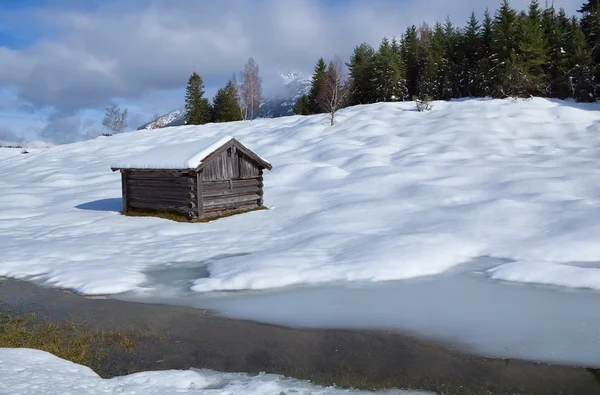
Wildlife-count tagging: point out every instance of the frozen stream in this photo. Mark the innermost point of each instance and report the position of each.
(462, 306)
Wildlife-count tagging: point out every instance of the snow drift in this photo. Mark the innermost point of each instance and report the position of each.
(26, 371)
(387, 193)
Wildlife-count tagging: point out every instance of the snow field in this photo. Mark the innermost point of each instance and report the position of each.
(387, 193)
(26, 371)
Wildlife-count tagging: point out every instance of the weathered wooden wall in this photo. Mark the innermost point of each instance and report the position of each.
(160, 190)
(227, 195)
(230, 181)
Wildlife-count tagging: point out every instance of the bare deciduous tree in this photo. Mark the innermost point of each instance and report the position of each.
(334, 90)
(238, 99)
(251, 89)
(115, 119)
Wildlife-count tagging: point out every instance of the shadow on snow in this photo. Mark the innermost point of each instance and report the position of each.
(112, 204)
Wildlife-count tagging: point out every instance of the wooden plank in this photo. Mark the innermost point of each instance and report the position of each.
(159, 178)
(221, 185)
(199, 195)
(124, 189)
(161, 207)
(150, 193)
(161, 184)
(174, 203)
(234, 191)
(235, 200)
(163, 173)
(220, 209)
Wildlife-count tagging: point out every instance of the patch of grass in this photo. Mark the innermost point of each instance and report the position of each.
(73, 341)
(179, 217)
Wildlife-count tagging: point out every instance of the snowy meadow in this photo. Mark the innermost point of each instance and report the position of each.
(386, 195)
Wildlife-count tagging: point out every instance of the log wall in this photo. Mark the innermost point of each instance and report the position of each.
(160, 190)
(228, 195)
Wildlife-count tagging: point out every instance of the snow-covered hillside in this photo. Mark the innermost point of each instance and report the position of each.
(388, 193)
(26, 372)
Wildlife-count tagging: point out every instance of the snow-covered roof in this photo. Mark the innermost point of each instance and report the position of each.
(188, 155)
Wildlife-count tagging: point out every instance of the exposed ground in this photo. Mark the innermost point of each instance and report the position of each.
(166, 337)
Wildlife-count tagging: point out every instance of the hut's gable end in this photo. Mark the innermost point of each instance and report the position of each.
(231, 162)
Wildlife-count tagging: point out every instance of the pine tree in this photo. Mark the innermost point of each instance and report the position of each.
(316, 86)
(389, 72)
(590, 24)
(472, 54)
(425, 36)
(452, 62)
(197, 107)
(580, 74)
(409, 51)
(484, 80)
(302, 106)
(226, 107)
(555, 30)
(506, 77)
(361, 68)
(533, 51)
(588, 11)
(432, 79)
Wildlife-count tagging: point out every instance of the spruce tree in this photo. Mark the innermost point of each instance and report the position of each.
(226, 107)
(389, 72)
(507, 80)
(410, 47)
(588, 11)
(452, 62)
(471, 53)
(316, 86)
(302, 106)
(590, 24)
(484, 80)
(555, 28)
(361, 67)
(197, 107)
(580, 74)
(533, 52)
(433, 76)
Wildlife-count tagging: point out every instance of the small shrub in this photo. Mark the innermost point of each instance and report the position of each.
(424, 104)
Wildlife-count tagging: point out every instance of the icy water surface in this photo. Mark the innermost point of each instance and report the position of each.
(463, 307)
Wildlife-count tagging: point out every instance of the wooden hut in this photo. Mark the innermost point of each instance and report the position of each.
(199, 179)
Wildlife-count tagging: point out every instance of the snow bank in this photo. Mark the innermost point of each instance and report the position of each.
(548, 273)
(387, 193)
(26, 371)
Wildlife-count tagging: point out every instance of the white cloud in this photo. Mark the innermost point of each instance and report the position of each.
(118, 50)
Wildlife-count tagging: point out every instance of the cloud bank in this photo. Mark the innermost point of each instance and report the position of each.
(88, 54)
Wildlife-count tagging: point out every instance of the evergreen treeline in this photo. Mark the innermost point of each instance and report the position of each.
(536, 52)
(225, 107)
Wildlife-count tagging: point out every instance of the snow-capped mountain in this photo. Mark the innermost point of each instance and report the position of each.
(295, 84)
(173, 118)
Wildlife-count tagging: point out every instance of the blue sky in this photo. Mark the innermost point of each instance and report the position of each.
(64, 61)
